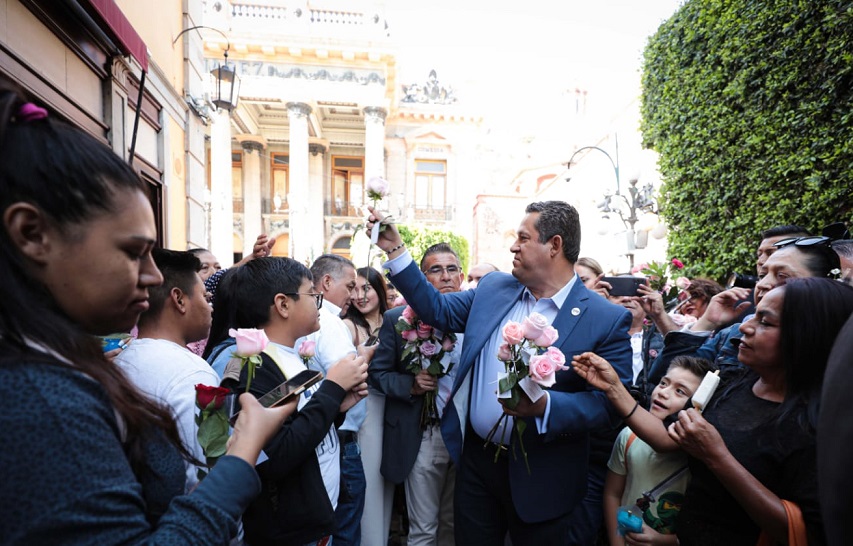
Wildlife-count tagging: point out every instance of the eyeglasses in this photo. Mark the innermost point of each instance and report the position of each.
(813, 240)
(438, 270)
(317, 297)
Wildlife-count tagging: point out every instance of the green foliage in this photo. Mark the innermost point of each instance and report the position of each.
(750, 105)
(419, 239)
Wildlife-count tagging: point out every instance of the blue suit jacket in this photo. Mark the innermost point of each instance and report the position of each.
(586, 322)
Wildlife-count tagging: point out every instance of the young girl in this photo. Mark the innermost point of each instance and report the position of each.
(88, 458)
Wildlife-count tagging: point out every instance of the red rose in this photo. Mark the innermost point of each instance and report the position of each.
(206, 395)
(677, 263)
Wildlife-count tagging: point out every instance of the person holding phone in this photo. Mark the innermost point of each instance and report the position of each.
(91, 459)
(334, 277)
(301, 476)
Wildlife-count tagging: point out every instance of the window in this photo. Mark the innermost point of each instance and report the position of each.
(347, 186)
(430, 184)
(237, 180)
(279, 170)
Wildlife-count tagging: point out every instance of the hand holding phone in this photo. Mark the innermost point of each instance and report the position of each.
(287, 391)
(624, 286)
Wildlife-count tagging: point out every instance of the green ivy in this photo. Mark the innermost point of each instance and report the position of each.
(750, 106)
(419, 239)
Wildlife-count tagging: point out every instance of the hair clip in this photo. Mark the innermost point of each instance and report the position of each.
(30, 112)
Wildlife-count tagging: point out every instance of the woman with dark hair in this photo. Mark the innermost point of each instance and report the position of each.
(368, 303)
(90, 459)
(752, 451)
(220, 344)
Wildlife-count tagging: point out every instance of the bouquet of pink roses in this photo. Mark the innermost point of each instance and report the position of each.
(530, 363)
(424, 350)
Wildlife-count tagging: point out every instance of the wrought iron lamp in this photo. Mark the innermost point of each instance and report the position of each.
(227, 82)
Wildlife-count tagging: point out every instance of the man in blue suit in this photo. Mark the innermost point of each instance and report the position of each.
(495, 497)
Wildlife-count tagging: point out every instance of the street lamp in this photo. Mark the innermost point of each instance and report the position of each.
(638, 200)
(227, 81)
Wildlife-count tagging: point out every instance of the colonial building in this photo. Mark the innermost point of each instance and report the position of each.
(321, 111)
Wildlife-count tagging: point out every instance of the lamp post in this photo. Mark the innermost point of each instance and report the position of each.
(227, 81)
(637, 200)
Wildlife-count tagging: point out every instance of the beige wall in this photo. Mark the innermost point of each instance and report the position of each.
(158, 22)
(175, 195)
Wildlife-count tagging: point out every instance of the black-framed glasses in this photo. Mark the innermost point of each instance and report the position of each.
(812, 240)
(318, 297)
(438, 270)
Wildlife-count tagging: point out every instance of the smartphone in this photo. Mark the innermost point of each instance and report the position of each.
(624, 286)
(285, 392)
(290, 389)
(372, 340)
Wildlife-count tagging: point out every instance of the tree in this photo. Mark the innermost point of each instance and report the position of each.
(750, 106)
(419, 239)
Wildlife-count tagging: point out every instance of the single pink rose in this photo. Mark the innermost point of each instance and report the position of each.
(549, 336)
(513, 333)
(447, 344)
(424, 331)
(504, 353)
(409, 335)
(542, 370)
(556, 356)
(677, 263)
(533, 325)
(307, 348)
(653, 353)
(683, 283)
(250, 341)
(428, 348)
(377, 188)
(409, 314)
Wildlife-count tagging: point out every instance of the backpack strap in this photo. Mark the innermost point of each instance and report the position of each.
(631, 438)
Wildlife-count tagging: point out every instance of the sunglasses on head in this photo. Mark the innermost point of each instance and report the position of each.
(813, 240)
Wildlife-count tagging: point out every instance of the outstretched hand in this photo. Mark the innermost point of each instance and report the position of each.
(595, 370)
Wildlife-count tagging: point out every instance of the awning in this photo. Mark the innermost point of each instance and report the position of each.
(116, 25)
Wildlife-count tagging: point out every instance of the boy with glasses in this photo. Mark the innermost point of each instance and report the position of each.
(301, 475)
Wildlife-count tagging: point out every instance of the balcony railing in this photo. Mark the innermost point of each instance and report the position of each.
(433, 214)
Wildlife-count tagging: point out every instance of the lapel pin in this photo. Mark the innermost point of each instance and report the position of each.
(576, 311)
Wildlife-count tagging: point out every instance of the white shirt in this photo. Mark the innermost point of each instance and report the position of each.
(328, 451)
(168, 373)
(334, 342)
(637, 354)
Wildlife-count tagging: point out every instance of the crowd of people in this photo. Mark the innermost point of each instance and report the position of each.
(104, 447)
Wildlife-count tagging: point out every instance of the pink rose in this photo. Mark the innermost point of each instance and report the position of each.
(638, 268)
(542, 370)
(533, 325)
(409, 335)
(504, 353)
(447, 344)
(556, 356)
(409, 314)
(653, 353)
(428, 348)
(683, 283)
(250, 341)
(549, 336)
(513, 333)
(677, 263)
(424, 331)
(307, 349)
(377, 188)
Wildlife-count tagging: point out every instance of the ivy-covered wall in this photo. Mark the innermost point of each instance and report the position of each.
(750, 106)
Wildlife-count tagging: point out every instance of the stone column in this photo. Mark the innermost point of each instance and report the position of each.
(297, 200)
(374, 142)
(316, 187)
(252, 218)
(221, 200)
